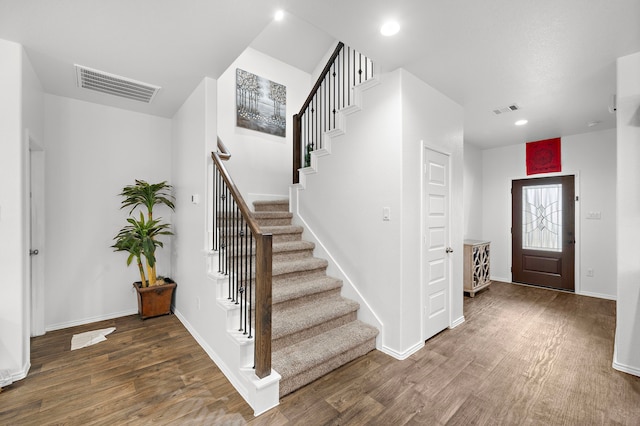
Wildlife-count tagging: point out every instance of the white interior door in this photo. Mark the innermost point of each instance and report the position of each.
(36, 211)
(436, 251)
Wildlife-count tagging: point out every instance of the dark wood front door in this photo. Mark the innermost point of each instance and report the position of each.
(543, 231)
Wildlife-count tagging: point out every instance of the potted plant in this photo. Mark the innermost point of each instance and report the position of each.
(140, 239)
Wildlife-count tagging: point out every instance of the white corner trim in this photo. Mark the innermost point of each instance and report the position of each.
(457, 322)
(402, 355)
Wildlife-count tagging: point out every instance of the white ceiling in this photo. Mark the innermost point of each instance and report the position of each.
(554, 59)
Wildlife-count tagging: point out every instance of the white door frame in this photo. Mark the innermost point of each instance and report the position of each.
(36, 221)
(423, 211)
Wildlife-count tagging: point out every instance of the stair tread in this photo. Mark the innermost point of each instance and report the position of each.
(292, 320)
(271, 205)
(298, 265)
(281, 229)
(294, 289)
(301, 356)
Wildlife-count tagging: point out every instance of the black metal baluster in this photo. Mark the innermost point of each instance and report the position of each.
(234, 268)
(246, 284)
(251, 239)
(241, 283)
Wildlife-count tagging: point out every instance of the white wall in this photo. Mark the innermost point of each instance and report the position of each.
(14, 326)
(376, 164)
(92, 152)
(472, 192)
(261, 163)
(342, 204)
(627, 345)
(193, 139)
(431, 119)
(591, 156)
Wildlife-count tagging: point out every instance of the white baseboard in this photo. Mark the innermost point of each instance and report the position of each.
(457, 322)
(89, 320)
(598, 295)
(22, 373)
(626, 369)
(402, 355)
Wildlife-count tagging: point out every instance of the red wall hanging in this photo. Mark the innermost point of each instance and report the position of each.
(544, 156)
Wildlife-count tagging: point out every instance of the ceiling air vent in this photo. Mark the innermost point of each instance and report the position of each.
(116, 85)
(509, 108)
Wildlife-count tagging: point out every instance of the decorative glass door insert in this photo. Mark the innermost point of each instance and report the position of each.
(542, 217)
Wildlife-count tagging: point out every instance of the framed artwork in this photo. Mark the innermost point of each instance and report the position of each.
(261, 104)
(544, 156)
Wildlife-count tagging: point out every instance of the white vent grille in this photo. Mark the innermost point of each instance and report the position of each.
(116, 85)
(509, 108)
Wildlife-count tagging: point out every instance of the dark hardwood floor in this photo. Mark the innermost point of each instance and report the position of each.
(524, 356)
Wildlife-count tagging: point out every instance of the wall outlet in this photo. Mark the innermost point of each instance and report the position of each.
(589, 272)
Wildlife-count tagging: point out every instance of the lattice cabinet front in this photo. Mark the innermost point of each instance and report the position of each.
(476, 266)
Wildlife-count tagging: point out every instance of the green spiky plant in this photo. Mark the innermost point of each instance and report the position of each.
(139, 238)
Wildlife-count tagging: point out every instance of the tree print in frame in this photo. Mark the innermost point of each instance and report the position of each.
(260, 104)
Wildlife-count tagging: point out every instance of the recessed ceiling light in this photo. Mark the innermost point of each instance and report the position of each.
(279, 16)
(389, 28)
(521, 122)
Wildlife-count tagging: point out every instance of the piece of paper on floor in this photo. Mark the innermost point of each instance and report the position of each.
(89, 338)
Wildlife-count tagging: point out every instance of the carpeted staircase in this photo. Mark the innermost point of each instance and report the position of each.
(314, 329)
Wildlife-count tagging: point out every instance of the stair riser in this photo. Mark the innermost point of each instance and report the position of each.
(279, 277)
(312, 273)
(292, 255)
(307, 333)
(274, 222)
(281, 238)
(271, 207)
(284, 256)
(319, 297)
(290, 384)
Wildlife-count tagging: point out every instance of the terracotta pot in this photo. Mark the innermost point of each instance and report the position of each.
(154, 301)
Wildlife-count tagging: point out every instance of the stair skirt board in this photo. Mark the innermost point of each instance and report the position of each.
(314, 329)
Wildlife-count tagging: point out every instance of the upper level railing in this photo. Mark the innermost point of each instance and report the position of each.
(244, 256)
(332, 92)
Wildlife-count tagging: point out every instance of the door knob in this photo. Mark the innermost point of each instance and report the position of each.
(449, 250)
(33, 252)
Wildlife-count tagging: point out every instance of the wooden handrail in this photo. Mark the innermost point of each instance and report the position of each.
(323, 74)
(262, 351)
(224, 153)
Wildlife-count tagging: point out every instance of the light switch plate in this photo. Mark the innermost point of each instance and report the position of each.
(386, 214)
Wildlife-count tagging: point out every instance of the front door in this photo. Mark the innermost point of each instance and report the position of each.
(436, 266)
(543, 231)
